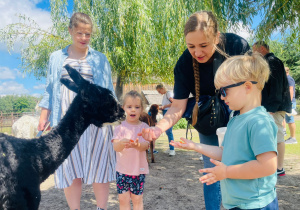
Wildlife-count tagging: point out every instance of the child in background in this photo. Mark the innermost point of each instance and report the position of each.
(165, 105)
(248, 154)
(132, 165)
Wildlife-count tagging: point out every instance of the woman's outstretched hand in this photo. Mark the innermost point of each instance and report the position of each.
(150, 134)
(183, 144)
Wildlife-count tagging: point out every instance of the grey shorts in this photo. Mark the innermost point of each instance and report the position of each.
(278, 118)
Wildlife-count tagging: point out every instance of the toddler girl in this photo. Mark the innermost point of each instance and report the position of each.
(130, 148)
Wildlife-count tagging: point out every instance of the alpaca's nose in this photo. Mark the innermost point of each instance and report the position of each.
(121, 113)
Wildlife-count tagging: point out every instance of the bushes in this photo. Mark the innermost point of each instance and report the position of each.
(18, 104)
(181, 124)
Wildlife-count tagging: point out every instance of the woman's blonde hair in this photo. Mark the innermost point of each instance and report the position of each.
(79, 17)
(243, 68)
(134, 94)
(206, 22)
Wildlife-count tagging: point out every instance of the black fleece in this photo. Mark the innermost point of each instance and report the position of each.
(276, 93)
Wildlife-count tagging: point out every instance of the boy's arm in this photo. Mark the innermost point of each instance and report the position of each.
(214, 152)
(264, 165)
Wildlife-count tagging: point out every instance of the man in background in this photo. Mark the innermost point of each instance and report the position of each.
(275, 97)
(290, 118)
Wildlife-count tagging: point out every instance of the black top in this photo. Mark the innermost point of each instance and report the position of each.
(184, 73)
(276, 93)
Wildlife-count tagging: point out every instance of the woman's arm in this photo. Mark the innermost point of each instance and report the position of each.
(173, 114)
(43, 119)
(170, 118)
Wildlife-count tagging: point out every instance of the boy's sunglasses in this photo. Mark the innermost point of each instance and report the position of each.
(223, 89)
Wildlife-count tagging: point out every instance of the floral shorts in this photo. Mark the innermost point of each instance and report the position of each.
(134, 184)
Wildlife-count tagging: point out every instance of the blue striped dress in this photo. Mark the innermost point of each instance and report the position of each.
(93, 159)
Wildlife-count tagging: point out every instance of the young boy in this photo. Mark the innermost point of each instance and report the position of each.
(248, 154)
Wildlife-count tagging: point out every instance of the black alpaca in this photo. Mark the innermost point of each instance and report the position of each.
(25, 164)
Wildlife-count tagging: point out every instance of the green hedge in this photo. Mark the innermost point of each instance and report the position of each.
(181, 124)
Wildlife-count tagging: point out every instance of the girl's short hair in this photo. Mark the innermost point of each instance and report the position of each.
(243, 68)
(160, 86)
(134, 94)
(79, 17)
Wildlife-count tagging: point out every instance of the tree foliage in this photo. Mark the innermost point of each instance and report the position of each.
(279, 15)
(142, 38)
(288, 52)
(18, 104)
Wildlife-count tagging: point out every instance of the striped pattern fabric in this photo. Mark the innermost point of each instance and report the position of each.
(93, 159)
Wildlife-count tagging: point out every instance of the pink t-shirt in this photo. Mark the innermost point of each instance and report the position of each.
(131, 161)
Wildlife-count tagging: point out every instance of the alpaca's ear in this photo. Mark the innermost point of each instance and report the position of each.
(69, 84)
(75, 76)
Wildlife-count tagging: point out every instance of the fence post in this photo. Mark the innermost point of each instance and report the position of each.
(1, 121)
(12, 118)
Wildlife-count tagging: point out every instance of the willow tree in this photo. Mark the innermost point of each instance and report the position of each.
(279, 15)
(141, 38)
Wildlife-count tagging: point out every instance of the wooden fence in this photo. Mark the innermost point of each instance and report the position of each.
(8, 119)
(139, 87)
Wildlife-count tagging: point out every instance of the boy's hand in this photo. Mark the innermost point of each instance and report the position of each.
(214, 174)
(183, 144)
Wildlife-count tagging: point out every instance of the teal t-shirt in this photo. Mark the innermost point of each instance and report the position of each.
(247, 136)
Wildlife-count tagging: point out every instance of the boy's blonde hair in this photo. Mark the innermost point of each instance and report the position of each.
(134, 94)
(243, 68)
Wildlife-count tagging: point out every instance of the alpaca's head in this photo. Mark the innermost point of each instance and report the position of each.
(99, 104)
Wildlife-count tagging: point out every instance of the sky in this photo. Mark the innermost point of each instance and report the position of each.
(12, 80)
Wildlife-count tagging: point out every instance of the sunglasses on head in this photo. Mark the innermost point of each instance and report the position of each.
(223, 89)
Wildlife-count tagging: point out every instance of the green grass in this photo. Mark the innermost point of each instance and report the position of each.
(5, 130)
(293, 149)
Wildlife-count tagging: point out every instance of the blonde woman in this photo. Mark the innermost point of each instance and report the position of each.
(92, 161)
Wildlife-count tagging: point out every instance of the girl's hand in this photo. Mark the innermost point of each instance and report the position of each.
(214, 174)
(133, 144)
(183, 144)
(124, 142)
(150, 134)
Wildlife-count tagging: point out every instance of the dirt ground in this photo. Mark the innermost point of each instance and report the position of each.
(173, 184)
